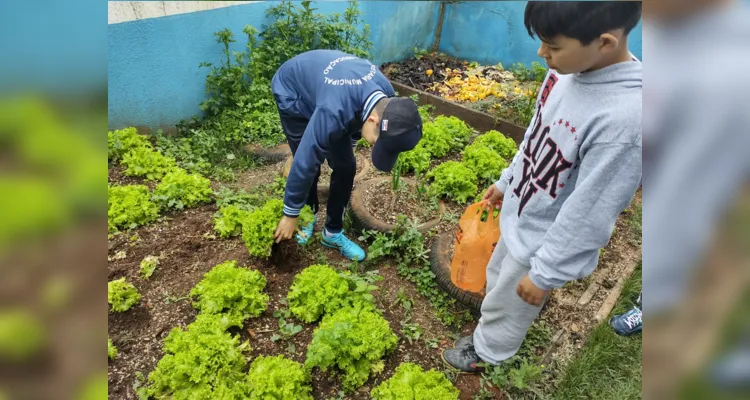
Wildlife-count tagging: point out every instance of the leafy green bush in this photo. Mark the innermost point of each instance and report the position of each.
(353, 340)
(406, 245)
(129, 206)
(443, 135)
(202, 362)
(259, 226)
(486, 163)
(320, 288)
(231, 290)
(95, 388)
(122, 295)
(454, 180)
(111, 349)
(148, 266)
(435, 140)
(411, 382)
(425, 112)
(228, 220)
(178, 190)
(278, 378)
(454, 128)
(417, 160)
(22, 335)
(537, 72)
(151, 164)
(123, 141)
(498, 143)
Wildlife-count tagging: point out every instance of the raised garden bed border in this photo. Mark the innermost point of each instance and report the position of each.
(478, 120)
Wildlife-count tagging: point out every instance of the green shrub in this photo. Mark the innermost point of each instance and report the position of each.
(202, 362)
(111, 349)
(354, 341)
(178, 190)
(417, 160)
(486, 163)
(22, 335)
(454, 180)
(425, 112)
(259, 226)
(411, 382)
(278, 378)
(497, 142)
(148, 163)
(228, 220)
(122, 295)
(129, 206)
(435, 140)
(148, 266)
(320, 288)
(123, 141)
(228, 289)
(454, 128)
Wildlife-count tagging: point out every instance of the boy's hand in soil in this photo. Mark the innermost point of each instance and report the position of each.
(529, 292)
(494, 196)
(285, 229)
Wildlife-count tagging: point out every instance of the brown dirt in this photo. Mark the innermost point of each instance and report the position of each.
(188, 249)
(380, 202)
(116, 176)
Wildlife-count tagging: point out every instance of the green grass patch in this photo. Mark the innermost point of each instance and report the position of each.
(609, 366)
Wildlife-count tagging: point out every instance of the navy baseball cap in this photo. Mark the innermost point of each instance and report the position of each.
(400, 130)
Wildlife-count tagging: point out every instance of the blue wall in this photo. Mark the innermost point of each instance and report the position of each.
(492, 32)
(155, 81)
(154, 78)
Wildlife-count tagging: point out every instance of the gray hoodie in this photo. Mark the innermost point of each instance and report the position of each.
(576, 170)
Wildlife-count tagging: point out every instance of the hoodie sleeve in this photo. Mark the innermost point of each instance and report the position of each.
(322, 129)
(608, 178)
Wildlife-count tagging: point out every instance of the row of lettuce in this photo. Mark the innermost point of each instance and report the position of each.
(207, 360)
(481, 163)
(130, 206)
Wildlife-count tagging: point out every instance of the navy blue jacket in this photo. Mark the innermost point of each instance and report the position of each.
(335, 92)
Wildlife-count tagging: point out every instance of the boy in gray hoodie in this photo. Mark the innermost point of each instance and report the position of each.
(576, 170)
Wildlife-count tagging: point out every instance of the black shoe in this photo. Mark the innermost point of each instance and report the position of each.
(464, 342)
(465, 359)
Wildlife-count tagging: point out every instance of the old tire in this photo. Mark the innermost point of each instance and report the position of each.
(269, 155)
(440, 264)
(364, 220)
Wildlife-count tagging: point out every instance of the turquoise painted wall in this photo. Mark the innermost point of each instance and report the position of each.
(154, 78)
(153, 74)
(492, 31)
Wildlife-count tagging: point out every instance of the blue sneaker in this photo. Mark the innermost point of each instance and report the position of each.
(306, 233)
(628, 323)
(347, 248)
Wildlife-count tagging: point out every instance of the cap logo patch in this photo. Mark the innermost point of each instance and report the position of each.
(384, 125)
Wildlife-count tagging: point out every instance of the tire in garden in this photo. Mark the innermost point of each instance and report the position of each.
(323, 189)
(363, 220)
(269, 155)
(440, 263)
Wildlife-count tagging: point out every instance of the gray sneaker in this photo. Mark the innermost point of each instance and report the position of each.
(463, 342)
(463, 359)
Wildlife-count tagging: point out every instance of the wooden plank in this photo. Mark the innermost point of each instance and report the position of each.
(478, 120)
(588, 294)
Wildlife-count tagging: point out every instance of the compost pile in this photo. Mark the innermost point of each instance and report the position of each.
(453, 79)
(414, 71)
